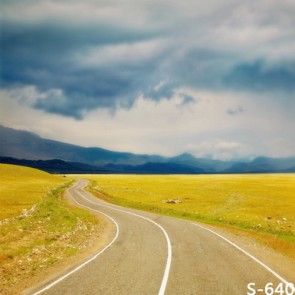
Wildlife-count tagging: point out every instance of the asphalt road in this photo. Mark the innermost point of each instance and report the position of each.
(152, 254)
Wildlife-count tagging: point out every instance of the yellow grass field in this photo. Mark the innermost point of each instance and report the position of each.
(260, 204)
(33, 241)
(22, 187)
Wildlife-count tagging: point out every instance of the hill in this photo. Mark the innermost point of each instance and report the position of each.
(264, 164)
(21, 187)
(29, 149)
(26, 145)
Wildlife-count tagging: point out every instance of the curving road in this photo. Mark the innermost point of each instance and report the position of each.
(152, 254)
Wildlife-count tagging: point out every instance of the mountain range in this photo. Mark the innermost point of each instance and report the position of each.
(28, 149)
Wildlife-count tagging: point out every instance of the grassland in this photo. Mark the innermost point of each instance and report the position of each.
(38, 229)
(22, 187)
(260, 204)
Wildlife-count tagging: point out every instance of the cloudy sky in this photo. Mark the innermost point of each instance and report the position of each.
(215, 78)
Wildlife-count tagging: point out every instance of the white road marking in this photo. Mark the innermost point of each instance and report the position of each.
(89, 260)
(246, 253)
(169, 246)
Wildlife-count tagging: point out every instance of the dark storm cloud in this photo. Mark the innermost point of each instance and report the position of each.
(259, 76)
(43, 56)
(70, 50)
(193, 68)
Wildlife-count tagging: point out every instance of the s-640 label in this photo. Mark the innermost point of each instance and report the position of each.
(271, 289)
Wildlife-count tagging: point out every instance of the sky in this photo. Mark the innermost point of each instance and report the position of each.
(213, 78)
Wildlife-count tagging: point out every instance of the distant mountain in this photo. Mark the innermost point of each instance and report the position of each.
(264, 164)
(208, 165)
(28, 149)
(54, 166)
(63, 167)
(155, 168)
(27, 145)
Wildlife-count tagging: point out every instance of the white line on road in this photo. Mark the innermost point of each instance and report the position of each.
(169, 246)
(246, 253)
(89, 260)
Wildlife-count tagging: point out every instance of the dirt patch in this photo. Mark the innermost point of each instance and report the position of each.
(172, 201)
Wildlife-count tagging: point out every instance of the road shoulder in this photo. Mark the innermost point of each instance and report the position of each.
(101, 235)
(283, 264)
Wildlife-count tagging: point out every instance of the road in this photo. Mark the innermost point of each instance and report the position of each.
(153, 254)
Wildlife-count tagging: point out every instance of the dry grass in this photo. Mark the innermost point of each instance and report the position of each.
(42, 230)
(261, 204)
(22, 187)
